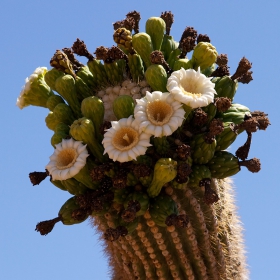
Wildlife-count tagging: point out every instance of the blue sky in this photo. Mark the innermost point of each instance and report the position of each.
(30, 32)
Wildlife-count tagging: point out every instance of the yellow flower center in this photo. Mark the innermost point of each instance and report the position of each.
(125, 139)
(159, 112)
(66, 158)
(189, 88)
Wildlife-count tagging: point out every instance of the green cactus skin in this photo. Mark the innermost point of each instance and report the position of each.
(235, 113)
(93, 109)
(199, 172)
(161, 144)
(182, 63)
(155, 27)
(73, 186)
(223, 164)
(83, 130)
(156, 77)
(165, 170)
(225, 86)
(53, 101)
(98, 71)
(142, 43)
(57, 137)
(65, 86)
(51, 76)
(161, 207)
(202, 152)
(65, 212)
(168, 45)
(226, 137)
(123, 106)
(136, 67)
(210, 247)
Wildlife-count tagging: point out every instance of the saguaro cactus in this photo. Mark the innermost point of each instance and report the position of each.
(141, 146)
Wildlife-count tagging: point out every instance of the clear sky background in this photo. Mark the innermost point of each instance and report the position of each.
(30, 32)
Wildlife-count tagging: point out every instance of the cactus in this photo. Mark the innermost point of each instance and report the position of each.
(151, 168)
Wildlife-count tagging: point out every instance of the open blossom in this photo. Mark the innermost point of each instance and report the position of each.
(68, 159)
(158, 113)
(123, 141)
(35, 91)
(191, 88)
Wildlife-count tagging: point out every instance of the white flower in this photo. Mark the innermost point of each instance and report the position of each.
(123, 141)
(158, 113)
(36, 95)
(191, 88)
(68, 159)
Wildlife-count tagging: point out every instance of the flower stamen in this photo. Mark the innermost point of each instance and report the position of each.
(159, 112)
(66, 158)
(125, 139)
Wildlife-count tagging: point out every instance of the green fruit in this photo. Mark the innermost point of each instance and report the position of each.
(113, 71)
(65, 86)
(85, 74)
(73, 186)
(53, 101)
(202, 152)
(51, 121)
(165, 170)
(235, 113)
(223, 164)
(51, 76)
(83, 130)
(93, 109)
(211, 111)
(226, 137)
(65, 212)
(199, 172)
(209, 70)
(155, 27)
(136, 67)
(156, 77)
(98, 71)
(182, 63)
(142, 43)
(168, 45)
(82, 89)
(63, 113)
(123, 106)
(161, 207)
(57, 137)
(161, 144)
(173, 57)
(225, 86)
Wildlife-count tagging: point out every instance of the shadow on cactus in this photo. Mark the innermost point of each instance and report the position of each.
(140, 137)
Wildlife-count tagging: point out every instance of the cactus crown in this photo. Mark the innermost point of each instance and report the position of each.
(141, 145)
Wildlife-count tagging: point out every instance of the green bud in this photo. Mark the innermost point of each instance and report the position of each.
(156, 77)
(165, 170)
(123, 106)
(204, 55)
(53, 101)
(155, 27)
(225, 86)
(51, 76)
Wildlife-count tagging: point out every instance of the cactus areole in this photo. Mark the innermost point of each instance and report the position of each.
(140, 143)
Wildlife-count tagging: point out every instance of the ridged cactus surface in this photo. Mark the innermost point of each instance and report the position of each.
(140, 142)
